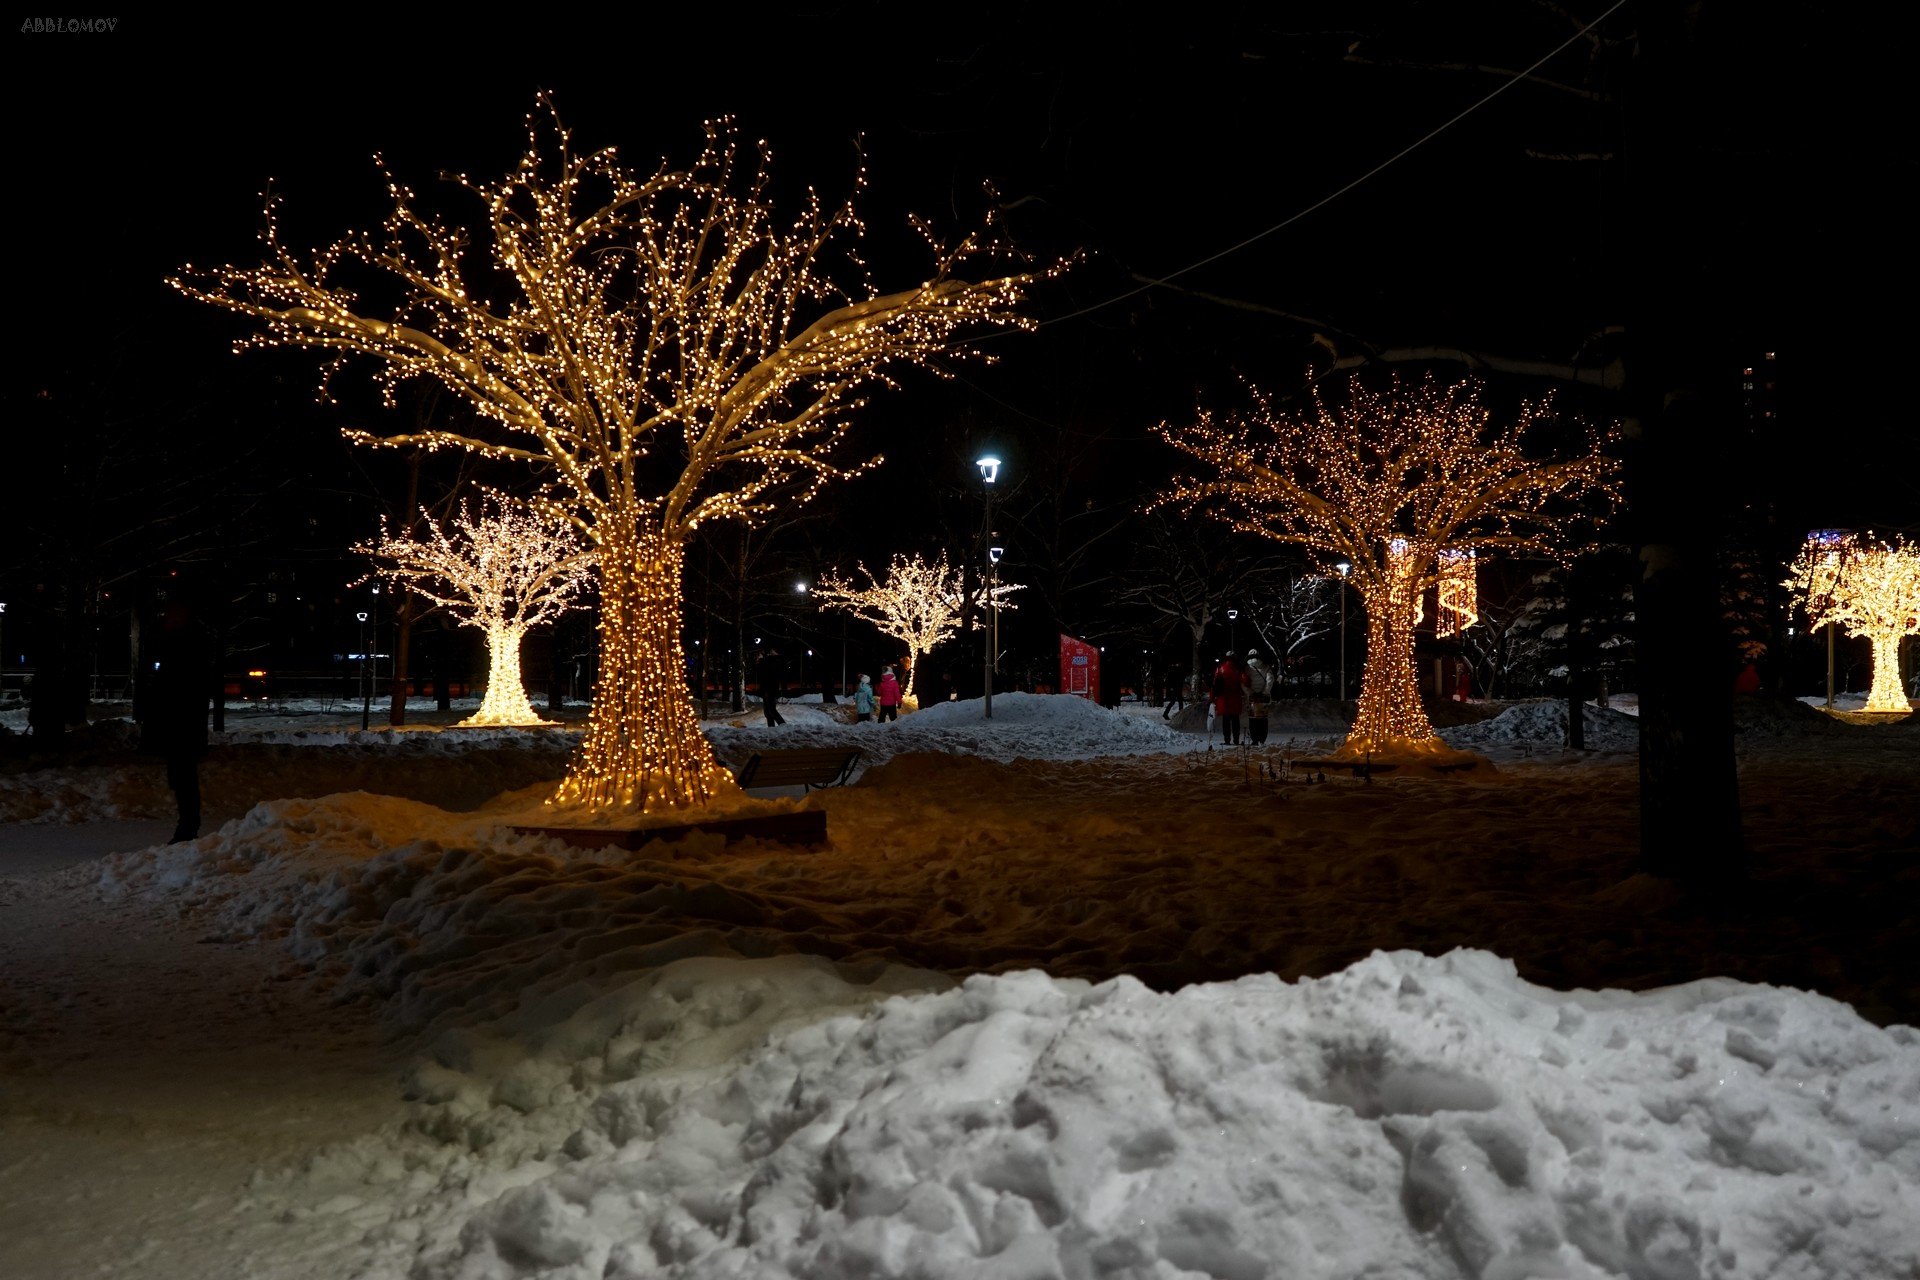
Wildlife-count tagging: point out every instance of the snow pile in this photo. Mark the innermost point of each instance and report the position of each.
(1025, 726)
(1756, 716)
(1409, 1117)
(449, 917)
(1545, 724)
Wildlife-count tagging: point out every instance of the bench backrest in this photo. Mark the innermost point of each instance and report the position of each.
(798, 766)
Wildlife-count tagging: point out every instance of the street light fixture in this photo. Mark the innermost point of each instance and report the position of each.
(989, 476)
(1233, 645)
(1343, 568)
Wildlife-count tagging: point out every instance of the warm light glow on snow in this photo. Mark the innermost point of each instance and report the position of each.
(1869, 588)
(1394, 482)
(655, 342)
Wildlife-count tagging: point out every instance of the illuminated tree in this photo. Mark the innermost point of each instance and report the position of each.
(1400, 483)
(659, 346)
(919, 604)
(500, 568)
(1870, 588)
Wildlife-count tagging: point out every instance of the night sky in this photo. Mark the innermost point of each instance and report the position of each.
(1151, 147)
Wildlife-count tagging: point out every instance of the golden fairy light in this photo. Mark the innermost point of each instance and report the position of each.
(1393, 481)
(1458, 594)
(496, 566)
(658, 346)
(1869, 588)
(920, 604)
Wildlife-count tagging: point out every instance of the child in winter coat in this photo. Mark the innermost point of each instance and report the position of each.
(863, 699)
(889, 695)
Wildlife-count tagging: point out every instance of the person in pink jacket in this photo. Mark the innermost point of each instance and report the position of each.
(889, 695)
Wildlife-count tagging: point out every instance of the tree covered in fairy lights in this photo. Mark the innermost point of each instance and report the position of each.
(496, 566)
(1407, 484)
(660, 346)
(920, 603)
(1869, 588)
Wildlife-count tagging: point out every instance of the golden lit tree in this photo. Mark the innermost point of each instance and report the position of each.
(920, 604)
(660, 346)
(1870, 588)
(496, 566)
(1400, 483)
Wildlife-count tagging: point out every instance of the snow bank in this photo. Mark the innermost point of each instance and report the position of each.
(447, 917)
(1545, 724)
(1409, 1117)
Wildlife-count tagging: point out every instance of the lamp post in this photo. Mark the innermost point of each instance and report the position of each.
(1343, 568)
(3, 648)
(366, 689)
(989, 476)
(1233, 645)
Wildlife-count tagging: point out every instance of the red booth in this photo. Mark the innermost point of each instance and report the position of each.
(1079, 668)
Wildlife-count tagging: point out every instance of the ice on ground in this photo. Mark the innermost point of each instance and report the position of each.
(1545, 724)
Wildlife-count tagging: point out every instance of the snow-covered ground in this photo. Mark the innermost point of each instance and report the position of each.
(362, 1034)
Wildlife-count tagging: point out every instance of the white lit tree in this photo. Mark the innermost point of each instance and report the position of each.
(1870, 588)
(920, 603)
(496, 566)
(1399, 482)
(659, 346)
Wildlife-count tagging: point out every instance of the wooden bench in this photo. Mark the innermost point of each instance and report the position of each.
(807, 767)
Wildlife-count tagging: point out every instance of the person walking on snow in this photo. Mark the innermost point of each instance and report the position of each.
(863, 699)
(1229, 695)
(1259, 694)
(889, 695)
(1173, 694)
(770, 673)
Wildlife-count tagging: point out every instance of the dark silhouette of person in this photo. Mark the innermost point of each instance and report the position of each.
(174, 725)
(770, 673)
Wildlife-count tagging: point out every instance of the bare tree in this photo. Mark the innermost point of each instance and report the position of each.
(1391, 481)
(495, 566)
(659, 347)
(1190, 575)
(1293, 615)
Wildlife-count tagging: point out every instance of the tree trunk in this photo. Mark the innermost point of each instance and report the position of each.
(1390, 711)
(1678, 360)
(402, 656)
(442, 677)
(739, 673)
(506, 701)
(1576, 666)
(643, 750)
(1887, 693)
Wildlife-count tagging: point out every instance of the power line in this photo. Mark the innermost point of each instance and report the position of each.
(1326, 200)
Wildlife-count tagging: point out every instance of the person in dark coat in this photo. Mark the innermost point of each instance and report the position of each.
(770, 672)
(175, 722)
(1173, 693)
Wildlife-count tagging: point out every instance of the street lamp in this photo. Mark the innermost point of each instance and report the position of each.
(1233, 646)
(366, 691)
(1343, 568)
(989, 475)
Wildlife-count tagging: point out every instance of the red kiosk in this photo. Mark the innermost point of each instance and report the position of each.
(1079, 668)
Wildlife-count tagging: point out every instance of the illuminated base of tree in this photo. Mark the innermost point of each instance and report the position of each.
(1433, 750)
(909, 702)
(1886, 693)
(506, 702)
(643, 751)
